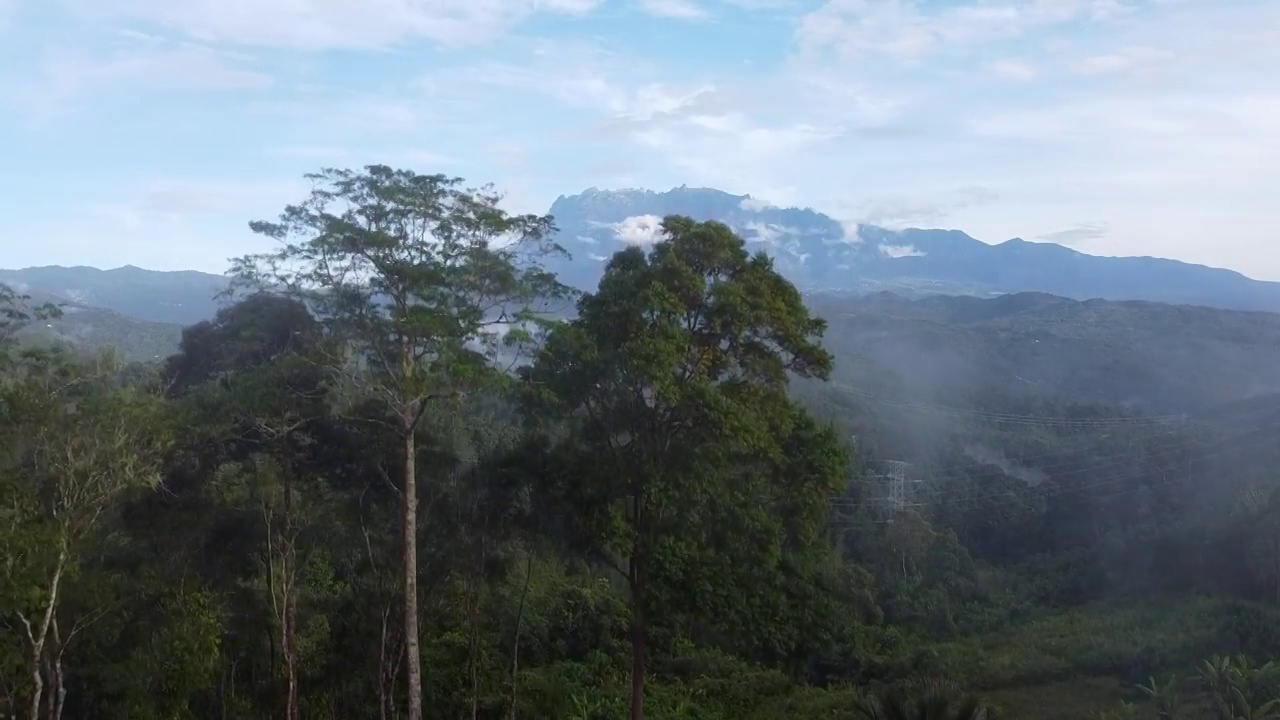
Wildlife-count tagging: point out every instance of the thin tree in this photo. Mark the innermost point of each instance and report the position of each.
(423, 282)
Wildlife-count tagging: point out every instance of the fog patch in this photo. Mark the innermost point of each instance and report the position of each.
(991, 456)
(901, 251)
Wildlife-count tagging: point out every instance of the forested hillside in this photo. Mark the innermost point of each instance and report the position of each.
(707, 496)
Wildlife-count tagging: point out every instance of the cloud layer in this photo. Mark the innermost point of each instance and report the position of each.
(149, 132)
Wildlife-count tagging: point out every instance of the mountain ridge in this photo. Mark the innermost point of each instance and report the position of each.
(819, 253)
(815, 251)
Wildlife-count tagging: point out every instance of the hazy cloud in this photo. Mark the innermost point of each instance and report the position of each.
(899, 211)
(1078, 235)
(909, 31)
(145, 64)
(754, 204)
(900, 251)
(769, 233)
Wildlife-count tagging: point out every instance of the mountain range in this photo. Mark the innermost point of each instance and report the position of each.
(818, 253)
(821, 255)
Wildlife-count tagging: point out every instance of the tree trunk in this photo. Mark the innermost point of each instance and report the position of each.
(637, 641)
(515, 644)
(386, 674)
(477, 587)
(38, 639)
(58, 692)
(289, 615)
(290, 651)
(412, 652)
(49, 693)
(37, 690)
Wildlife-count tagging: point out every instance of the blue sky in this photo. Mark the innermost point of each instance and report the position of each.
(149, 132)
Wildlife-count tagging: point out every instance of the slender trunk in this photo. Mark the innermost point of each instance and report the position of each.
(383, 701)
(58, 693)
(290, 662)
(392, 661)
(37, 683)
(477, 583)
(36, 639)
(515, 644)
(50, 691)
(288, 629)
(413, 655)
(637, 640)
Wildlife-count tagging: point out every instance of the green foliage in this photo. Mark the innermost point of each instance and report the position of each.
(930, 700)
(223, 534)
(16, 312)
(411, 271)
(685, 468)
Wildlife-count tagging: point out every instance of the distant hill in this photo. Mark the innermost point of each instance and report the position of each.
(138, 312)
(92, 329)
(908, 350)
(914, 377)
(1159, 358)
(813, 250)
(819, 253)
(182, 298)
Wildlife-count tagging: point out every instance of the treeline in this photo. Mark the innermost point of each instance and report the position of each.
(386, 482)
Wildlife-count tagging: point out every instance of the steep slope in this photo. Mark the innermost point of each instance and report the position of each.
(820, 253)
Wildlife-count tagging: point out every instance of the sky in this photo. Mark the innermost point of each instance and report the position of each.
(150, 132)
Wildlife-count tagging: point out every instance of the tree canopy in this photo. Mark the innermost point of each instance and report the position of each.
(338, 499)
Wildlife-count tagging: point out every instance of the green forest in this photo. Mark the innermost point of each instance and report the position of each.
(407, 473)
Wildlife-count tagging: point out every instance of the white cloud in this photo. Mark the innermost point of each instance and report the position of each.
(1013, 70)
(762, 4)
(909, 31)
(921, 210)
(326, 153)
(678, 9)
(768, 233)
(1127, 59)
(568, 7)
(1080, 235)
(145, 64)
(641, 230)
(8, 10)
(336, 24)
(186, 200)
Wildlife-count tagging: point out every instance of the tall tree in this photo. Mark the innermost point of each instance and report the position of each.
(675, 375)
(422, 281)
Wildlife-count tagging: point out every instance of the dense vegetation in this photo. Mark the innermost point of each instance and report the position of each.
(385, 483)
